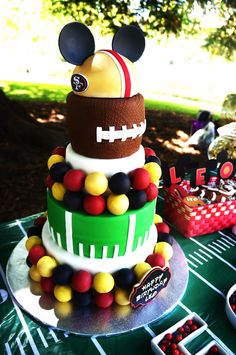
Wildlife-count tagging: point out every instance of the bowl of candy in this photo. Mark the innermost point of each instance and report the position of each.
(230, 306)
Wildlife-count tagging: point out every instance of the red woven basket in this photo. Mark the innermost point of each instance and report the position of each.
(198, 220)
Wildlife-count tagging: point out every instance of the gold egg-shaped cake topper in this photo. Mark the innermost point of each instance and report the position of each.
(105, 73)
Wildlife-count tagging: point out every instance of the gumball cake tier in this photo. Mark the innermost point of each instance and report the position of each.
(103, 236)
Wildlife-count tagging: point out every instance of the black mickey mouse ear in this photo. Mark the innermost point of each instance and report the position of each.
(76, 43)
(130, 42)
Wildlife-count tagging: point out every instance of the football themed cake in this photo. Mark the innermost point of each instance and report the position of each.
(98, 242)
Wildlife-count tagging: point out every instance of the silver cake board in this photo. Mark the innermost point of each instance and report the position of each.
(91, 320)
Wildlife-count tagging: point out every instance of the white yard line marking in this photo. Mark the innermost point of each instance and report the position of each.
(98, 346)
(202, 251)
(227, 241)
(200, 256)
(212, 252)
(215, 337)
(219, 246)
(20, 346)
(232, 240)
(227, 236)
(19, 224)
(184, 307)
(207, 282)
(42, 338)
(193, 257)
(190, 262)
(212, 246)
(149, 330)
(8, 349)
(220, 241)
(20, 316)
(55, 338)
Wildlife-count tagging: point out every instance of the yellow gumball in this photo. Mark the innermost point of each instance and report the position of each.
(154, 171)
(140, 269)
(63, 293)
(117, 204)
(96, 183)
(165, 249)
(34, 273)
(103, 282)
(63, 310)
(58, 191)
(55, 158)
(32, 241)
(46, 265)
(157, 219)
(122, 297)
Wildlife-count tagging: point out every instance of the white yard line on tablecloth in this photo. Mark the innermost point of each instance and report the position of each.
(207, 282)
(20, 316)
(98, 346)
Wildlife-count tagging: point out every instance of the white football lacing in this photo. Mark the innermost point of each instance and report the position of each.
(124, 133)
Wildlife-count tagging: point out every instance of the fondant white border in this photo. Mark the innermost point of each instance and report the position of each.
(99, 265)
(107, 166)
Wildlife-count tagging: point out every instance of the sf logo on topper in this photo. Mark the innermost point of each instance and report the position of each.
(79, 82)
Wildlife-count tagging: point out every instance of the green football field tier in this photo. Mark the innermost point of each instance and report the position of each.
(103, 236)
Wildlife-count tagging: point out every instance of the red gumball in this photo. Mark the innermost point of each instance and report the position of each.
(47, 284)
(94, 205)
(74, 180)
(103, 300)
(162, 228)
(39, 222)
(81, 281)
(140, 179)
(49, 182)
(149, 151)
(59, 151)
(151, 192)
(36, 253)
(156, 260)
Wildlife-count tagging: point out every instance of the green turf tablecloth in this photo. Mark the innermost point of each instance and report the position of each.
(212, 271)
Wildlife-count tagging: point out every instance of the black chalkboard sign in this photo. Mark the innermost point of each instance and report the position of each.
(150, 285)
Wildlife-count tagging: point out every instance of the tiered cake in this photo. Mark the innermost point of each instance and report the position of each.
(102, 187)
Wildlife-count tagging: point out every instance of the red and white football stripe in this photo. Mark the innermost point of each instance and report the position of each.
(123, 69)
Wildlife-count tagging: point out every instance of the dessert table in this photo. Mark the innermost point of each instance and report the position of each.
(212, 271)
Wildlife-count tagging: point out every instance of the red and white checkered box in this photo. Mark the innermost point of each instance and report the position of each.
(197, 220)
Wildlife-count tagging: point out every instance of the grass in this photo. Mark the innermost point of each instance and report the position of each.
(21, 91)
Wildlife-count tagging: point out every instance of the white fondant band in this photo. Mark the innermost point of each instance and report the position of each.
(107, 166)
(99, 265)
(131, 231)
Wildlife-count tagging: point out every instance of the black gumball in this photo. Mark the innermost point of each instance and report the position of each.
(124, 278)
(35, 230)
(73, 201)
(29, 264)
(137, 199)
(83, 299)
(165, 237)
(62, 274)
(154, 159)
(119, 183)
(58, 171)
